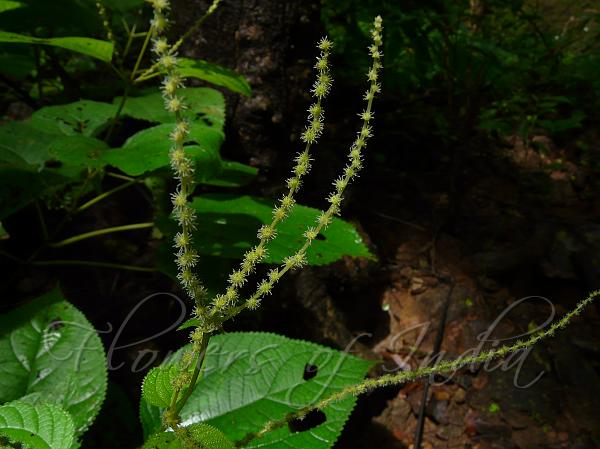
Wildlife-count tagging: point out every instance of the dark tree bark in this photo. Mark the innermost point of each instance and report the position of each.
(271, 43)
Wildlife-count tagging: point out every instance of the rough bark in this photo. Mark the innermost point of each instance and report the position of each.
(271, 43)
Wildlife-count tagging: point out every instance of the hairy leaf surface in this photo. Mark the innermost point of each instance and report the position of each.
(49, 352)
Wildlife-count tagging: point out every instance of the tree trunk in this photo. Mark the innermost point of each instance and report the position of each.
(272, 44)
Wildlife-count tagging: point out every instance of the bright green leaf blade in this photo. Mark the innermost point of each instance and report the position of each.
(84, 117)
(49, 352)
(215, 74)
(204, 105)
(7, 5)
(76, 153)
(252, 378)
(92, 47)
(148, 150)
(41, 426)
(157, 388)
(228, 225)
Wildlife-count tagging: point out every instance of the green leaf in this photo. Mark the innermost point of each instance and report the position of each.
(157, 388)
(233, 174)
(252, 378)
(215, 74)
(7, 5)
(202, 434)
(24, 145)
(92, 47)
(228, 224)
(50, 353)
(84, 117)
(148, 150)
(205, 105)
(34, 163)
(41, 426)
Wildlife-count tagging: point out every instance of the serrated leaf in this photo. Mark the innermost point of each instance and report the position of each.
(148, 150)
(202, 435)
(92, 47)
(49, 352)
(84, 117)
(252, 378)
(204, 105)
(228, 225)
(215, 74)
(41, 426)
(157, 388)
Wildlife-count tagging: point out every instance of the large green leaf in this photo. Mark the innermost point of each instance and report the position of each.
(215, 74)
(50, 353)
(227, 226)
(40, 426)
(92, 47)
(204, 105)
(24, 145)
(148, 150)
(252, 378)
(84, 117)
(233, 174)
(35, 163)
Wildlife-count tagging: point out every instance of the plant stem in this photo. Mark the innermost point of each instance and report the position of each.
(120, 176)
(88, 235)
(128, 83)
(195, 374)
(92, 263)
(145, 75)
(104, 195)
(402, 377)
(141, 54)
(42, 221)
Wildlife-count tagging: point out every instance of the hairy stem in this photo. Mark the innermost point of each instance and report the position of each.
(409, 376)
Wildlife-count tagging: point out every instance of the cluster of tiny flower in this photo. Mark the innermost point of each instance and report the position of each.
(350, 171)
(302, 166)
(182, 165)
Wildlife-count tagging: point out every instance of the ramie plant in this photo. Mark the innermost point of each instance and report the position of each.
(211, 313)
